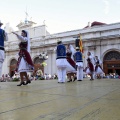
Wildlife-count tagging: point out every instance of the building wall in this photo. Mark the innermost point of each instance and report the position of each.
(98, 40)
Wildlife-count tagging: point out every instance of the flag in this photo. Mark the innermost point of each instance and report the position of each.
(81, 45)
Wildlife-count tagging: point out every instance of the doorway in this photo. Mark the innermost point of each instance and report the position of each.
(111, 62)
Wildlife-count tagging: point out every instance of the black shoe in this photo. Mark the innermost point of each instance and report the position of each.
(79, 80)
(22, 83)
(28, 82)
(60, 82)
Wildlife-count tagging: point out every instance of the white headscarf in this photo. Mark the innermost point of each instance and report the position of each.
(92, 58)
(28, 46)
(72, 50)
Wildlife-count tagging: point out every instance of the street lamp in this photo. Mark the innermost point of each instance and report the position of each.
(43, 56)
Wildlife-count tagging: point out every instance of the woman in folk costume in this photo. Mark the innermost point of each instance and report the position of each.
(24, 63)
(90, 68)
(98, 68)
(61, 61)
(92, 60)
(71, 66)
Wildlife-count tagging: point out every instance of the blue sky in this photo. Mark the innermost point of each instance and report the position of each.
(60, 15)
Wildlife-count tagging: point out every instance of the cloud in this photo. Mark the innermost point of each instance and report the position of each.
(107, 6)
(118, 2)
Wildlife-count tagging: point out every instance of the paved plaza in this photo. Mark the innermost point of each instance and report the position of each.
(49, 100)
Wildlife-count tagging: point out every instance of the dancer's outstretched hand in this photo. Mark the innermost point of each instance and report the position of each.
(15, 33)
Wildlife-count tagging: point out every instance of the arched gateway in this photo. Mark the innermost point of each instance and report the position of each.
(111, 62)
(37, 64)
(13, 64)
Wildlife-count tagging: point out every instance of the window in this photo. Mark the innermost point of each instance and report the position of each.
(113, 55)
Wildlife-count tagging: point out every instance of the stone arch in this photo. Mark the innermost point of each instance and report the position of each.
(112, 55)
(34, 58)
(38, 64)
(103, 55)
(111, 62)
(13, 63)
(37, 60)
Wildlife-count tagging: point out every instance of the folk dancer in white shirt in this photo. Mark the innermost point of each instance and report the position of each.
(24, 63)
(91, 63)
(61, 61)
(3, 37)
(98, 68)
(71, 65)
(79, 63)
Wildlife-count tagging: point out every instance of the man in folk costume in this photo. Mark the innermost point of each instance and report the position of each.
(61, 62)
(98, 68)
(79, 63)
(79, 57)
(3, 37)
(24, 63)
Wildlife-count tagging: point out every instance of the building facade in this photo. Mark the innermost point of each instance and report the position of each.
(101, 40)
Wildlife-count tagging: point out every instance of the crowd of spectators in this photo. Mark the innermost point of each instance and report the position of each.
(112, 76)
(5, 78)
(40, 76)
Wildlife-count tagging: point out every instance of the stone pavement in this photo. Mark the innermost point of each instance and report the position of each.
(48, 100)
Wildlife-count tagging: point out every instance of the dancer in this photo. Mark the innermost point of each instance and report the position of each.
(3, 37)
(92, 61)
(79, 63)
(71, 66)
(89, 69)
(24, 63)
(98, 68)
(61, 61)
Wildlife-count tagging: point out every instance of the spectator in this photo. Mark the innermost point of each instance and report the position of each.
(39, 73)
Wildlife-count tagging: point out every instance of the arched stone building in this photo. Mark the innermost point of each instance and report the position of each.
(102, 40)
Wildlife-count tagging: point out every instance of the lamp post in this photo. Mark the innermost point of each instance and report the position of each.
(43, 56)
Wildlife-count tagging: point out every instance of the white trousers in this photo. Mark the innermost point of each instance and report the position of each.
(94, 73)
(1, 69)
(1, 61)
(79, 73)
(61, 74)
